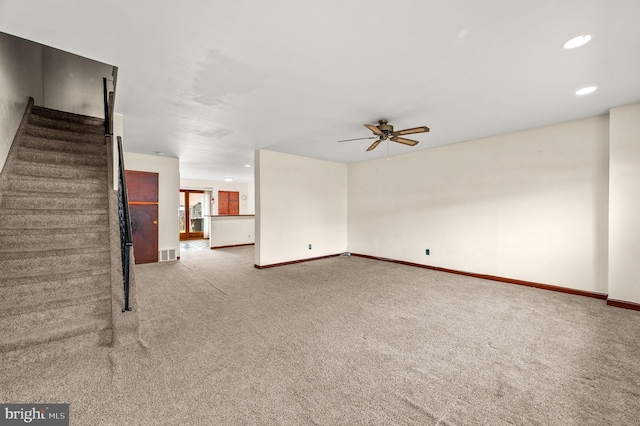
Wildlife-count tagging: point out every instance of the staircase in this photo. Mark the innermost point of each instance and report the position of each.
(54, 236)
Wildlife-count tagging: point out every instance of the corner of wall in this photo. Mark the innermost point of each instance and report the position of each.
(301, 207)
(624, 203)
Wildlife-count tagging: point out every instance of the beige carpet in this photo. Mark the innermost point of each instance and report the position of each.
(346, 341)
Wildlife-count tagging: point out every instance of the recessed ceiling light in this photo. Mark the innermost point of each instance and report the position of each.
(247, 165)
(577, 41)
(228, 179)
(586, 90)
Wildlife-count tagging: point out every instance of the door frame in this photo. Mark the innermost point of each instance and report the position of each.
(186, 235)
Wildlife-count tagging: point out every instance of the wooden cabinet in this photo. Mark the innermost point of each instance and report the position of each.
(228, 203)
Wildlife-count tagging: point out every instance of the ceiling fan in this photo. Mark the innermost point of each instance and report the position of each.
(384, 131)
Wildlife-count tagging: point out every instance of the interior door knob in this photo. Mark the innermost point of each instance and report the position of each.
(155, 222)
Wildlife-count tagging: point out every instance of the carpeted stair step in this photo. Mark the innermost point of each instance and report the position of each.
(38, 112)
(50, 184)
(34, 200)
(17, 358)
(45, 218)
(78, 136)
(49, 231)
(60, 275)
(30, 298)
(66, 121)
(29, 168)
(30, 239)
(17, 239)
(39, 327)
(63, 146)
(62, 158)
(29, 263)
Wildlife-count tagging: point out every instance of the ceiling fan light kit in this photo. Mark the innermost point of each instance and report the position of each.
(384, 131)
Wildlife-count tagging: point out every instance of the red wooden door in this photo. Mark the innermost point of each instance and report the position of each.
(144, 227)
(142, 189)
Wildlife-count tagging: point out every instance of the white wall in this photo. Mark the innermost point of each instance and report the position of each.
(624, 204)
(299, 201)
(168, 197)
(251, 198)
(20, 77)
(530, 205)
(73, 83)
(231, 230)
(118, 130)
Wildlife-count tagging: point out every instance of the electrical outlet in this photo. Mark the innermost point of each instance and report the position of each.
(309, 246)
(427, 252)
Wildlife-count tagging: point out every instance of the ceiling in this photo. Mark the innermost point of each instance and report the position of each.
(209, 82)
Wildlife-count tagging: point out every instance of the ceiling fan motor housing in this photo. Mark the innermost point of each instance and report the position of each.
(384, 127)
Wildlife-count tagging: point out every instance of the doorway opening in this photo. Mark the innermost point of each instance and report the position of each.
(191, 214)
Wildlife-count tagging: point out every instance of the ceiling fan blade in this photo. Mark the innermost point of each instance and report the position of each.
(405, 141)
(374, 129)
(420, 129)
(373, 145)
(357, 139)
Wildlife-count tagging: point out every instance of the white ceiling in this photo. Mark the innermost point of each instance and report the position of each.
(209, 82)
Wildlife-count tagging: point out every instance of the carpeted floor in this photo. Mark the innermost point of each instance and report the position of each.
(346, 341)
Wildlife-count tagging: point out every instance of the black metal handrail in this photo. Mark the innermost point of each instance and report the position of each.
(126, 238)
(107, 114)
